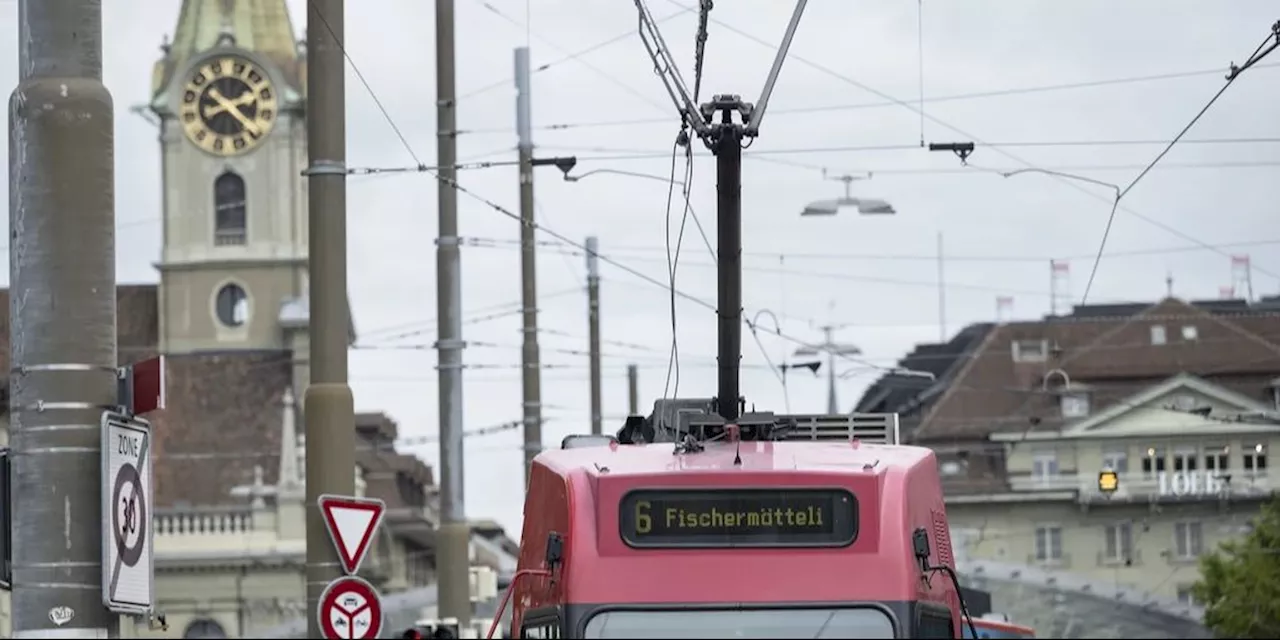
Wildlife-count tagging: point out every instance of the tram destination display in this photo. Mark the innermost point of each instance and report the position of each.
(720, 518)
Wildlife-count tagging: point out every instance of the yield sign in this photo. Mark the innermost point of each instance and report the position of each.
(351, 522)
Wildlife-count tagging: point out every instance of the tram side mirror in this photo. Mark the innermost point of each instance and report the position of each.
(920, 546)
(555, 549)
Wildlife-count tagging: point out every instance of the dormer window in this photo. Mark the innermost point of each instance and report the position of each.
(1158, 336)
(1030, 350)
(1075, 404)
(1190, 333)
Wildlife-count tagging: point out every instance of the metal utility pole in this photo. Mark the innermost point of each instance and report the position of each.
(633, 390)
(593, 323)
(328, 408)
(62, 317)
(531, 369)
(725, 140)
(454, 535)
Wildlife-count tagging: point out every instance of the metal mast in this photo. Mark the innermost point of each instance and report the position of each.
(724, 139)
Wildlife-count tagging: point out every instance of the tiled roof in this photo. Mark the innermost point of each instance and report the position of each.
(223, 417)
(893, 392)
(1237, 347)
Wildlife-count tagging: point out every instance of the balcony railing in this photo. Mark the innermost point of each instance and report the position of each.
(204, 522)
(1132, 558)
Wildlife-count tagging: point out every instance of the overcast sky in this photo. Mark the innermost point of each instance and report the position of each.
(876, 276)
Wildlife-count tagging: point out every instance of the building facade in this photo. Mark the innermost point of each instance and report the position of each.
(1175, 401)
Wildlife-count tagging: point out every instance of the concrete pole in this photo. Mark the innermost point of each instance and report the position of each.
(531, 369)
(633, 390)
(328, 407)
(454, 536)
(593, 322)
(62, 315)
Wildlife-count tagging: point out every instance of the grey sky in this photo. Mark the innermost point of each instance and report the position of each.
(969, 47)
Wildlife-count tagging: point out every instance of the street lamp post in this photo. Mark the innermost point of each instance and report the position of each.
(865, 206)
(832, 350)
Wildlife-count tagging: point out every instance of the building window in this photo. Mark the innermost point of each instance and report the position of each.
(204, 628)
(1116, 460)
(1044, 467)
(232, 306)
(1075, 405)
(1118, 542)
(1030, 350)
(1255, 459)
(1217, 458)
(1157, 334)
(1185, 596)
(1048, 544)
(1153, 462)
(1188, 538)
(1190, 333)
(1185, 459)
(229, 210)
(1184, 402)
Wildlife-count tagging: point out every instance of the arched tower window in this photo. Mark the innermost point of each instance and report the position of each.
(229, 209)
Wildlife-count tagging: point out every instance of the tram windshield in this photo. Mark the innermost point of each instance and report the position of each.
(742, 623)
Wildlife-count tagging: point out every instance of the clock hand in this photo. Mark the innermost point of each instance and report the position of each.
(224, 104)
(231, 106)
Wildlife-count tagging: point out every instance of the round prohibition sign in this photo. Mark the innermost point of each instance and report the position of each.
(350, 609)
(129, 515)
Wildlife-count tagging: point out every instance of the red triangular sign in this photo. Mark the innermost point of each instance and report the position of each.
(352, 523)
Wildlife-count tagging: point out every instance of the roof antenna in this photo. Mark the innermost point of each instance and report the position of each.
(734, 433)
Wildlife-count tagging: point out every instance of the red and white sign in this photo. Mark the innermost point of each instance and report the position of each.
(352, 522)
(350, 608)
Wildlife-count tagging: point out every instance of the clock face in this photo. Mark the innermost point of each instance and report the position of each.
(228, 106)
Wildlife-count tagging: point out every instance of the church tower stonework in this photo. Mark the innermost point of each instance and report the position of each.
(230, 96)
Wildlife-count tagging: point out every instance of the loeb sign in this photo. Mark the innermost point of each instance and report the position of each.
(1191, 483)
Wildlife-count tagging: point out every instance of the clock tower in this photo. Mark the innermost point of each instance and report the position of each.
(230, 96)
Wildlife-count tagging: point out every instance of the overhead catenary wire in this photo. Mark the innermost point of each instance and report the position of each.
(872, 148)
(1257, 55)
(607, 76)
(773, 256)
(1026, 164)
(883, 103)
(575, 56)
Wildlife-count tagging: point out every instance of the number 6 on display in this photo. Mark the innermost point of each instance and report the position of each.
(644, 524)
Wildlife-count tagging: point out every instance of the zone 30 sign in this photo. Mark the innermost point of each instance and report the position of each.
(127, 578)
